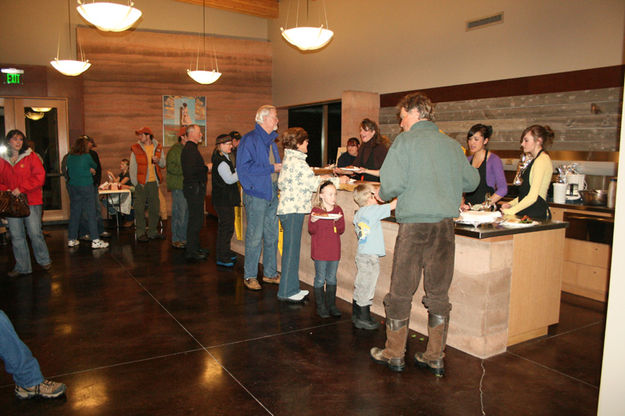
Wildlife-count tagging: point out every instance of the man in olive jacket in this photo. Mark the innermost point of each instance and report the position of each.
(427, 172)
(179, 209)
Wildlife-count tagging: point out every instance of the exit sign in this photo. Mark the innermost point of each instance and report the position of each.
(12, 76)
(13, 79)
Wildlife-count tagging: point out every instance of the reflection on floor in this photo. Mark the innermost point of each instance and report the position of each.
(134, 330)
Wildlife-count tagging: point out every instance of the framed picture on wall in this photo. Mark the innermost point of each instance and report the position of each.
(178, 112)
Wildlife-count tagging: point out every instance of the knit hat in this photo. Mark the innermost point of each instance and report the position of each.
(223, 138)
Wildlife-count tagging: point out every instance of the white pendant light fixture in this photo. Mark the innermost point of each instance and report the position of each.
(307, 38)
(32, 115)
(107, 16)
(69, 67)
(202, 76)
(41, 109)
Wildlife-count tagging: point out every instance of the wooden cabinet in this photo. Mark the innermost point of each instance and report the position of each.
(586, 265)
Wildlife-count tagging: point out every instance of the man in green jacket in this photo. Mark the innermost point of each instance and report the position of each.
(427, 172)
(179, 209)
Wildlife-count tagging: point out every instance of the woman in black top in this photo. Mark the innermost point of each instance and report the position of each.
(225, 197)
(372, 151)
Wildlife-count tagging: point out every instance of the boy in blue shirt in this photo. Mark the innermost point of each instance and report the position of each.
(368, 226)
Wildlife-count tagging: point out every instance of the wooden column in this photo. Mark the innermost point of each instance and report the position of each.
(355, 106)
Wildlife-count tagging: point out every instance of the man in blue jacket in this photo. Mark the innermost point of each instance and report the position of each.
(258, 164)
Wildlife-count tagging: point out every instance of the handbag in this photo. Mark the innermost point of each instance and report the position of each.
(13, 206)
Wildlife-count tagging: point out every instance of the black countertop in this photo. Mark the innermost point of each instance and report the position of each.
(495, 230)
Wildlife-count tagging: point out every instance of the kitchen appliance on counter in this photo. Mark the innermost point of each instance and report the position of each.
(575, 182)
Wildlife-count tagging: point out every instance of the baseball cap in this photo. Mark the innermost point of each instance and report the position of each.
(146, 130)
(183, 131)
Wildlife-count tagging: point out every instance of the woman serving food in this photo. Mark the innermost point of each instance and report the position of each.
(371, 153)
(532, 199)
(492, 185)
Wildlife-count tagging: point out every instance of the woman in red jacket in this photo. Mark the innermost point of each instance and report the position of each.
(28, 178)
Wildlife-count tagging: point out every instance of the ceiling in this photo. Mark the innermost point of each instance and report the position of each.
(261, 8)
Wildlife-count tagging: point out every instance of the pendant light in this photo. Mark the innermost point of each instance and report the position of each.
(307, 38)
(202, 76)
(107, 16)
(69, 67)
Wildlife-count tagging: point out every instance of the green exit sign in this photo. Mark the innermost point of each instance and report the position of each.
(14, 79)
(12, 76)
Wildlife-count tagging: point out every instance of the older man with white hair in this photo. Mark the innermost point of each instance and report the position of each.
(258, 164)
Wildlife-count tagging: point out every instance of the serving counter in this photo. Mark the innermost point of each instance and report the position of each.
(505, 290)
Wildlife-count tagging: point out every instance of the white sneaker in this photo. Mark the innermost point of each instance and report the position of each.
(97, 243)
(298, 296)
(73, 243)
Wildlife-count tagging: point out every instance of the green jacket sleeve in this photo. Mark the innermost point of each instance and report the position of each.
(392, 173)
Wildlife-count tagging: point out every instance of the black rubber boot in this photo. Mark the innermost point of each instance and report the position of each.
(355, 312)
(322, 311)
(331, 301)
(364, 320)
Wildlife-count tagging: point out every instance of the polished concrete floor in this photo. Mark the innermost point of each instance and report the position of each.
(134, 330)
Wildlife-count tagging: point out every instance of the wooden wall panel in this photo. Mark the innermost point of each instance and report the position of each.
(123, 90)
(131, 72)
(261, 8)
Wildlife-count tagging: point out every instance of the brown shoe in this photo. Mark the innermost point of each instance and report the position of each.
(273, 280)
(252, 284)
(395, 348)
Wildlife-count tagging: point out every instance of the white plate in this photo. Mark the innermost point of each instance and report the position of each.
(350, 169)
(328, 217)
(515, 224)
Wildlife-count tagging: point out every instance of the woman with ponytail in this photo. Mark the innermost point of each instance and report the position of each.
(532, 199)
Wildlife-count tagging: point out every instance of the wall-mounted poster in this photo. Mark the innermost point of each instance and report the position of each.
(179, 111)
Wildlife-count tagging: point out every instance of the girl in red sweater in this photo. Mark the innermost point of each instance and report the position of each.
(325, 225)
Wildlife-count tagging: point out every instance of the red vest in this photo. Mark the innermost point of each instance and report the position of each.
(142, 162)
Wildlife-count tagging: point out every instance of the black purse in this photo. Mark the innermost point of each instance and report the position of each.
(13, 206)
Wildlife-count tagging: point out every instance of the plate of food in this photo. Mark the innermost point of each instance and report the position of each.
(326, 216)
(476, 218)
(350, 168)
(525, 221)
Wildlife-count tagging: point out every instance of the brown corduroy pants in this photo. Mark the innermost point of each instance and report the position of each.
(422, 249)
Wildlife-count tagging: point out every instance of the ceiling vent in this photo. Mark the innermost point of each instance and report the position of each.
(485, 21)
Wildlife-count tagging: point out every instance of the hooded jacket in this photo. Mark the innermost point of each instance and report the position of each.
(28, 176)
(253, 165)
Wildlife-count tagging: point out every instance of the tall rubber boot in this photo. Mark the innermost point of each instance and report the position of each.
(364, 320)
(355, 312)
(395, 348)
(322, 311)
(432, 358)
(331, 301)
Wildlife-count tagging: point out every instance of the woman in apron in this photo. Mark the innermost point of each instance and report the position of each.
(492, 185)
(532, 199)
(372, 151)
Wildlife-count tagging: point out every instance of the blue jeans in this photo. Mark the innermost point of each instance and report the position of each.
(81, 203)
(292, 229)
(261, 234)
(83, 228)
(325, 272)
(18, 360)
(20, 245)
(179, 216)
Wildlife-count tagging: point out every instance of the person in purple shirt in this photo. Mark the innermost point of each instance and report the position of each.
(493, 184)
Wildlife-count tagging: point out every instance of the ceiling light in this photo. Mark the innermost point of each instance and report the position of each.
(41, 109)
(34, 116)
(307, 38)
(202, 76)
(109, 17)
(69, 67)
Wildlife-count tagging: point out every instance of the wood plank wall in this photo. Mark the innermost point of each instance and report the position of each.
(132, 71)
(576, 123)
(261, 8)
